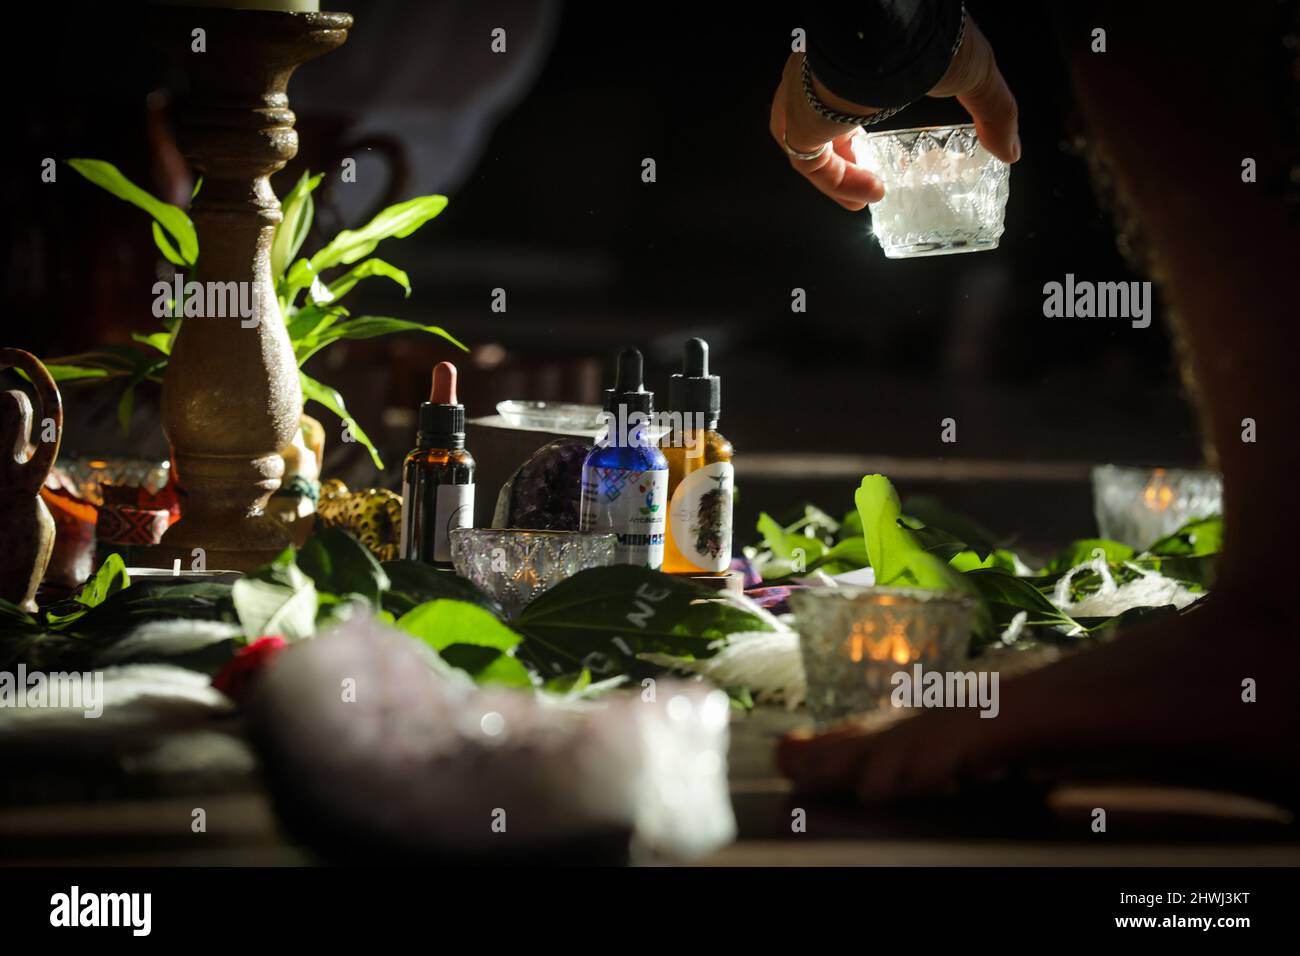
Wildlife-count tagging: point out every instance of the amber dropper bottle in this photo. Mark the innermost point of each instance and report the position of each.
(437, 476)
(701, 479)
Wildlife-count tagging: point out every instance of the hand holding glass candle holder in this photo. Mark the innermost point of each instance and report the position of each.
(944, 192)
(854, 640)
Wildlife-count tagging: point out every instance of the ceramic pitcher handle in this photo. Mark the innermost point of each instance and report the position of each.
(31, 474)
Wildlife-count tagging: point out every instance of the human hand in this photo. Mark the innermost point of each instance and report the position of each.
(903, 755)
(972, 77)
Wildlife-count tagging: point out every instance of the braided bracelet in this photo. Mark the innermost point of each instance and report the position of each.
(848, 119)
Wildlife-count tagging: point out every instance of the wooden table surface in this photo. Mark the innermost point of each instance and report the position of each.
(1147, 826)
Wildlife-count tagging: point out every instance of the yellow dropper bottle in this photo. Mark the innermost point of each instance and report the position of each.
(701, 479)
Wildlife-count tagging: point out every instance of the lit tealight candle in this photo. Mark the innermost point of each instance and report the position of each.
(1139, 506)
(854, 640)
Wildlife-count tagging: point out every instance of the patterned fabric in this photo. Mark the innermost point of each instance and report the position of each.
(126, 525)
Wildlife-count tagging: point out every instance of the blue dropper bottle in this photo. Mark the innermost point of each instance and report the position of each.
(625, 477)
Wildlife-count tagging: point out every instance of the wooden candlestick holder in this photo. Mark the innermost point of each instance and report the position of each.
(231, 398)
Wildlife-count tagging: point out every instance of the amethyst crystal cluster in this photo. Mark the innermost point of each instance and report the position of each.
(544, 494)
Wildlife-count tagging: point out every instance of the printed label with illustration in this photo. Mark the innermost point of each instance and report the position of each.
(631, 505)
(700, 517)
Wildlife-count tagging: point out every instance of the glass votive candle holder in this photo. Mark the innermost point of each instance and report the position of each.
(944, 192)
(515, 565)
(854, 640)
(1139, 506)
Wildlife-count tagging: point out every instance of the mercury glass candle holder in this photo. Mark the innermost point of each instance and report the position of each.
(854, 640)
(88, 476)
(1139, 506)
(515, 565)
(944, 192)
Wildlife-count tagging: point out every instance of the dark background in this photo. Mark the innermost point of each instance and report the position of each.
(549, 204)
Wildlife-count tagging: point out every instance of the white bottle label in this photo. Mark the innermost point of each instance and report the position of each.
(700, 514)
(408, 506)
(632, 505)
(454, 509)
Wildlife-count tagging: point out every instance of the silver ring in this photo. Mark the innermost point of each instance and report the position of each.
(795, 154)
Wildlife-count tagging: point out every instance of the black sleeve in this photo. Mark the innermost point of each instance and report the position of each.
(881, 53)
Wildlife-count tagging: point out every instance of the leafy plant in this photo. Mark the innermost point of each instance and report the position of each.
(601, 619)
(815, 542)
(75, 632)
(593, 624)
(950, 552)
(308, 302)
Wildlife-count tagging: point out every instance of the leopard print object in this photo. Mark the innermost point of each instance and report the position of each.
(372, 515)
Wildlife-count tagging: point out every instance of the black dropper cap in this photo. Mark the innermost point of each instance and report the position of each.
(629, 390)
(695, 390)
(442, 417)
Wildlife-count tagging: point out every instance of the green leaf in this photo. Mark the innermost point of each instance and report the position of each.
(305, 324)
(413, 582)
(969, 560)
(165, 246)
(1001, 590)
(1085, 549)
(149, 600)
(966, 530)
(279, 600)
(1191, 569)
(1008, 561)
(367, 327)
(171, 218)
(15, 616)
(162, 341)
(939, 543)
(488, 667)
(73, 373)
(852, 551)
(898, 559)
(442, 623)
(371, 267)
(1196, 538)
(126, 404)
(321, 393)
(397, 222)
(787, 544)
(110, 360)
(469, 637)
(339, 564)
(569, 684)
(297, 210)
(108, 580)
(602, 618)
(299, 276)
(1133, 615)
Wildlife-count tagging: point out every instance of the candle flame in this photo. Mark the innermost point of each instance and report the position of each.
(1157, 495)
(902, 653)
(892, 646)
